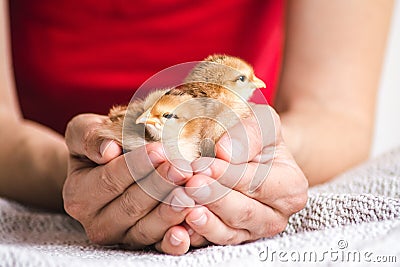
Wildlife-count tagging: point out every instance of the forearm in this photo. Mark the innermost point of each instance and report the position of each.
(33, 163)
(325, 144)
(330, 75)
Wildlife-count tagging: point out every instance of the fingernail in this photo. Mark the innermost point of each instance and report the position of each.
(234, 149)
(206, 172)
(201, 220)
(105, 145)
(225, 144)
(155, 158)
(175, 175)
(176, 205)
(202, 192)
(190, 231)
(202, 166)
(198, 168)
(174, 240)
(181, 201)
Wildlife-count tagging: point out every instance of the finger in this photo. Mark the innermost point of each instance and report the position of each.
(89, 189)
(241, 177)
(196, 240)
(238, 211)
(152, 227)
(82, 139)
(280, 183)
(207, 224)
(246, 139)
(230, 175)
(175, 242)
(109, 150)
(132, 205)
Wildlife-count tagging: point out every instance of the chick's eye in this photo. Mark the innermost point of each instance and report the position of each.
(169, 116)
(241, 78)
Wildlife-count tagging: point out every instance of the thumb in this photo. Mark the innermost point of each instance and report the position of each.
(245, 140)
(83, 140)
(109, 149)
(240, 144)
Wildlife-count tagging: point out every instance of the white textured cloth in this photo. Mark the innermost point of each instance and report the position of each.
(352, 220)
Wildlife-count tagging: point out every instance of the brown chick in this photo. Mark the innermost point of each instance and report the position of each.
(228, 71)
(190, 119)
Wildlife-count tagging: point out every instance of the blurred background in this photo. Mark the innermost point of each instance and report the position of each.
(387, 128)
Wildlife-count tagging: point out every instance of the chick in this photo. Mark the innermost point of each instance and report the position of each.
(231, 72)
(172, 120)
(121, 122)
(189, 118)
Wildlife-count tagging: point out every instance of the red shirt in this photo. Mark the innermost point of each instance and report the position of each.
(81, 56)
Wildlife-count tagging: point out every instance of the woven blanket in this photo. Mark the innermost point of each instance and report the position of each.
(352, 220)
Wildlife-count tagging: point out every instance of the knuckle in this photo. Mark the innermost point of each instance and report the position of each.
(72, 206)
(157, 190)
(297, 200)
(216, 206)
(243, 217)
(97, 236)
(230, 239)
(278, 227)
(292, 204)
(108, 183)
(89, 139)
(259, 192)
(131, 206)
(140, 235)
(82, 132)
(290, 199)
(165, 213)
(73, 124)
(272, 229)
(69, 132)
(198, 241)
(157, 185)
(74, 209)
(297, 203)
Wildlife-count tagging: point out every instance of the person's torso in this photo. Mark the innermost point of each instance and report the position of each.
(81, 56)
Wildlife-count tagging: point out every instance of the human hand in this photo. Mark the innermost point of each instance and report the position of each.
(268, 186)
(102, 191)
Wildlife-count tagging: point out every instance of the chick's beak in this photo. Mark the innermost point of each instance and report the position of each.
(147, 118)
(258, 83)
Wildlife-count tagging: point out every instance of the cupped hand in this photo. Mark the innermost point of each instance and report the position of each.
(267, 184)
(102, 191)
